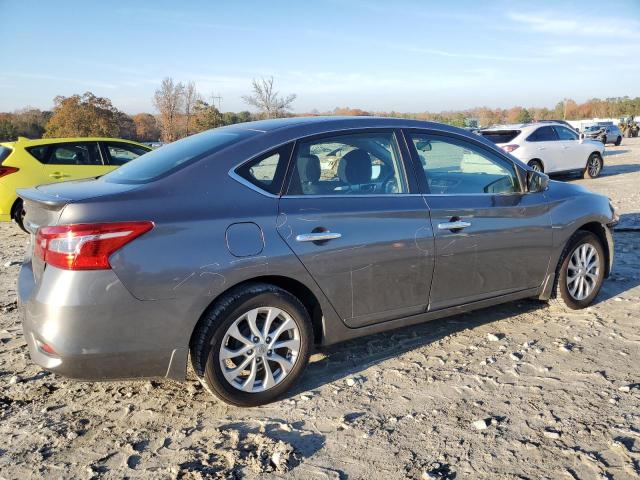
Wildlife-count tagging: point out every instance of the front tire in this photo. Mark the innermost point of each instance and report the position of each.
(580, 271)
(618, 141)
(593, 167)
(253, 345)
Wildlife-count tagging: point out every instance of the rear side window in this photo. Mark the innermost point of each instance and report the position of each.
(543, 134)
(175, 156)
(4, 153)
(121, 153)
(84, 153)
(267, 171)
(500, 136)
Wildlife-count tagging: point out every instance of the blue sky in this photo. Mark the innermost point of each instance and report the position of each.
(402, 55)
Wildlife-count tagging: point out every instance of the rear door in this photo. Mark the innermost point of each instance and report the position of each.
(354, 218)
(544, 141)
(574, 156)
(491, 238)
(69, 161)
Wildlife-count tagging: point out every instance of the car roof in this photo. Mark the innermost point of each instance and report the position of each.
(522, 126)
(27, 142)
(324, 122)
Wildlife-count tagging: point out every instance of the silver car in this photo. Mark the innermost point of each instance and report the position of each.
(245, 246)
(604, 133)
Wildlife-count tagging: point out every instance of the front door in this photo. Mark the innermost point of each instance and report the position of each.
(353, 218)
(491, 238)
(546, 147)
(572, 151)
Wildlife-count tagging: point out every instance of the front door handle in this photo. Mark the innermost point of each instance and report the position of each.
(58, 175)
(457, 225)
(318, 236)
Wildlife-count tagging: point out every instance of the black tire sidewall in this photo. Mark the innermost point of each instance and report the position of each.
(18, 216)
(214, 335)
(562, 289)
(586, 168)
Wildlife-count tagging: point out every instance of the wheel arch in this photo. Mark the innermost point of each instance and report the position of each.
(599, 231)
(291, 285)
(541, 163)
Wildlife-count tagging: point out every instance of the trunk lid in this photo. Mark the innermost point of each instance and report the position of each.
(44, 205)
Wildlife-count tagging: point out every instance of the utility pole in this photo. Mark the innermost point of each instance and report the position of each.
(215, 97)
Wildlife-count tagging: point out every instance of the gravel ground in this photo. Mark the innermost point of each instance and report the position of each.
(516, 391)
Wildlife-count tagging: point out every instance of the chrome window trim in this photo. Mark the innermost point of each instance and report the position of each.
(381, 195)
(247, 183)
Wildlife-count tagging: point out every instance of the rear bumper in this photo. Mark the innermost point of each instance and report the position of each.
(96, 328)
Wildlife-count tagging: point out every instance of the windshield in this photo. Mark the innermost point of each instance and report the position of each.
(500, 136)
(176, 155)
(592, 127)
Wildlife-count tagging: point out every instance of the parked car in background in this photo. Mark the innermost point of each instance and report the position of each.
(242, 247)
(604, 133)
(549, 147)
(27, 163)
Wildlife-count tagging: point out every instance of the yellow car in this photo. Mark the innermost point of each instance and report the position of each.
(27, 163)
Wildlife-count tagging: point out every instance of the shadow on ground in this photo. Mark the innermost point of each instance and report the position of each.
(351, 357)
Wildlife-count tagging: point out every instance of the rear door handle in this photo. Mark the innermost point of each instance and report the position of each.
(318, 237)
(457, 225)
(58, 175)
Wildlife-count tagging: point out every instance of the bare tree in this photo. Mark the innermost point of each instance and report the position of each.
(191, 96)
(268, 101)
(169, 100)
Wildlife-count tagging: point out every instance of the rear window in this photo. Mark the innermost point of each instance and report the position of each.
(176, 155)
(4, 153)
(500, 136)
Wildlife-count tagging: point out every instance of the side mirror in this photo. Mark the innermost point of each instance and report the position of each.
(537, 181)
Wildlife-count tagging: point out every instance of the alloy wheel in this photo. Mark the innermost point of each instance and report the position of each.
(259, 349)
(583, 271)
(594, 166)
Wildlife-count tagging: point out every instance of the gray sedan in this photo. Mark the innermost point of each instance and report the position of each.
(243, 247)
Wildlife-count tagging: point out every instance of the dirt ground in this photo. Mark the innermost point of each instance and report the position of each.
(511, 392)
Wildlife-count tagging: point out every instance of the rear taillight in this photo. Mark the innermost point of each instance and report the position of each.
(85, 246)
(510, 148)
(4, 171)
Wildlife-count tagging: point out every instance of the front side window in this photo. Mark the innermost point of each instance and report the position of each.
(456, 167)
(543, 134)
(354, 164)
(121, 153)
(85, 153)
(565, 134)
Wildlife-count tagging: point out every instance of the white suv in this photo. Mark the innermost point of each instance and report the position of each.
(549, 147)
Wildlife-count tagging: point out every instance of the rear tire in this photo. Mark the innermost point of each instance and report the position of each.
(536, 165)
(17, 213)
(579, 277)
(239, 323)
(594, 166)
(618, 141)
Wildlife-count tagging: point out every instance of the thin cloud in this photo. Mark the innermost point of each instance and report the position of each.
(583, 26)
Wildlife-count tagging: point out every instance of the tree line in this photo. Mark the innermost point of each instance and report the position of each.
(183, 110)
